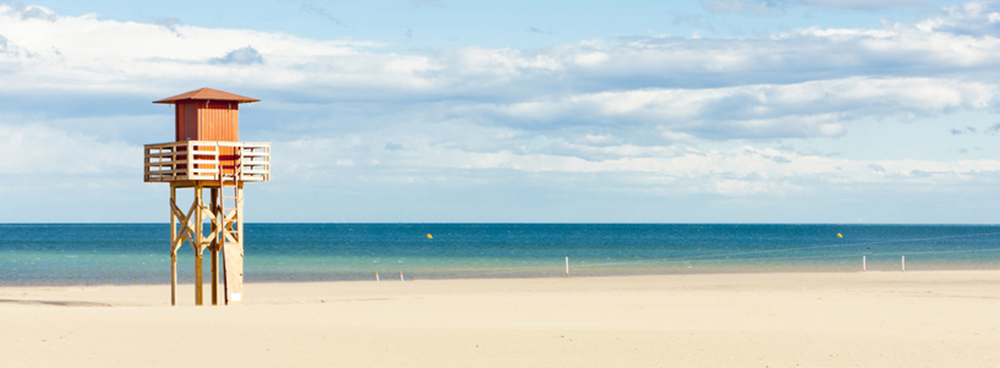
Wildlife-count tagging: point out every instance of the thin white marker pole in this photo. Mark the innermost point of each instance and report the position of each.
(567, 266)
(864, 263)
(401, 276)
(376, 276)
(904, 263)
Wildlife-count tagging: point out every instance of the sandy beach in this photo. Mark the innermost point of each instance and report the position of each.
(875, 319)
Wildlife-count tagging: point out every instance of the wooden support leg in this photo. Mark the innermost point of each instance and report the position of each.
(198, 250)
(198, 291)
(215, 276)
(214, 246)
(173, 250)
(173, 277)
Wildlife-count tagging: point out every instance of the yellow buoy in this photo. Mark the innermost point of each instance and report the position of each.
(839, 235)
(429, 236)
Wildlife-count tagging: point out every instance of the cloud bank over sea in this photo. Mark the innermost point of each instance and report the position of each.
(810, 116)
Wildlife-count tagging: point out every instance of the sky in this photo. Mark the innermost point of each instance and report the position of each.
(710, 111)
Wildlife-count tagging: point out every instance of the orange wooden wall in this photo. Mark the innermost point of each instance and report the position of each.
(202, 120)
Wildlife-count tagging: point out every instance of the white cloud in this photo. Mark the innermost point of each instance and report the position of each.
(244, 56)
(972, 18)
(748, 7)
(863, 4)
(815, 108)
(778, 7)
(640, 113)
(37, 149)
(67, 53)
(86, 53)
(740, 171)
(30, 12)
(168, 23)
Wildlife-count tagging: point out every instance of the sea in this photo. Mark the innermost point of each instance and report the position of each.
(101, 254)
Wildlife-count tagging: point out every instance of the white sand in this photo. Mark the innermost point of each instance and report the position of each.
(875, 319)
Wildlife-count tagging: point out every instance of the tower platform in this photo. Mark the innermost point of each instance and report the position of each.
(188, 162)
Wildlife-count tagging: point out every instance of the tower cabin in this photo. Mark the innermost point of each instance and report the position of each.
(206, 155)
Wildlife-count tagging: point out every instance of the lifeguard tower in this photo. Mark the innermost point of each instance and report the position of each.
(207, 154)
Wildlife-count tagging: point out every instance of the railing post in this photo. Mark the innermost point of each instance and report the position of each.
(173, 163)
(189, 157)
(238, 165)
(218, 161)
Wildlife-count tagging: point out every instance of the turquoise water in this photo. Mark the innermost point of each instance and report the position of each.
(71, 254)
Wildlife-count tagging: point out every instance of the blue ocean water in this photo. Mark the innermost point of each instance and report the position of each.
(74, 254)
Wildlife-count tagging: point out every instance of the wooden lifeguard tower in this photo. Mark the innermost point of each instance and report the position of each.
(207, 154)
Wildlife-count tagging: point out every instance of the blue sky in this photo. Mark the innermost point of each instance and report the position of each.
(791, 111)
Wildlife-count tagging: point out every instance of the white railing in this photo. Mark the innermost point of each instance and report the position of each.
(206, 160)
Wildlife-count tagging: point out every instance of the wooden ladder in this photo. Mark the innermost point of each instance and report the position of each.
(229, 205)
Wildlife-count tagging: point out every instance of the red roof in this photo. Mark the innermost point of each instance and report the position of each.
(207, 94)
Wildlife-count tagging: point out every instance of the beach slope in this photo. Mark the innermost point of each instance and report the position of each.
(912, 319)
